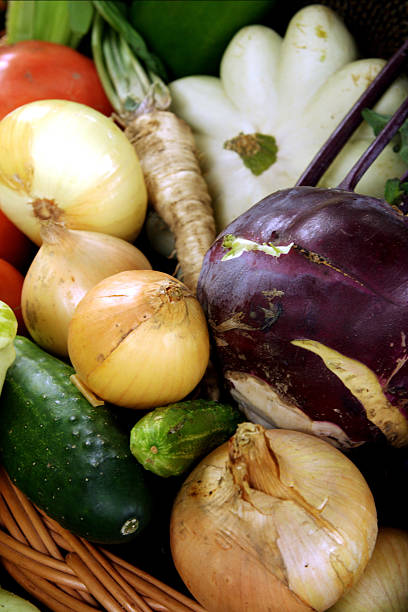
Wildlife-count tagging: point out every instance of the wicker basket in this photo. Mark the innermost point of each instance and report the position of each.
(67, 573)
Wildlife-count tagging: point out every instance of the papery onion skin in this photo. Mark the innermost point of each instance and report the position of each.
(66, 266)
(383, 586)
(299, 551)
(74, 157)
(139, 339)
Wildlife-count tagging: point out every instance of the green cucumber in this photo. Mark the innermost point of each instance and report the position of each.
(70, 458)
(169, 439)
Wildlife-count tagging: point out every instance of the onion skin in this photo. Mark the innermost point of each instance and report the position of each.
(383, 586)
(340, 290)
(66, 266)
(139, 339)
(291, 527)
(70, 155)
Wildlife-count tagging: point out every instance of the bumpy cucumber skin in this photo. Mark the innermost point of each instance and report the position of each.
(70, 458)
(169, 439)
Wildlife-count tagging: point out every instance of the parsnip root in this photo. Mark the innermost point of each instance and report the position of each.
(176, 188)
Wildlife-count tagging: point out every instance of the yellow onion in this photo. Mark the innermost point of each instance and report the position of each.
(272, 520)
(71, 156)
(66, 266)
(139, 339)
(383, 586)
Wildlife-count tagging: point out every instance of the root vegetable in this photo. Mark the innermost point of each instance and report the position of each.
(163, 142)
(177, 191)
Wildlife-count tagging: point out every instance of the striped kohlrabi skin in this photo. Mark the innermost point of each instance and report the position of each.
(311, 335)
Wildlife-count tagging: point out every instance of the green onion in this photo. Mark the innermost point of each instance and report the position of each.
(130, 75)
(113, 15)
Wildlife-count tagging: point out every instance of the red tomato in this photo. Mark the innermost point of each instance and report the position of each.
(39, 70)
(11, 286)
(15, 247)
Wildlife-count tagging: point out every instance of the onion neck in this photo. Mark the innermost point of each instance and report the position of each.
(55, 234)
(255, 469)
(253, 464)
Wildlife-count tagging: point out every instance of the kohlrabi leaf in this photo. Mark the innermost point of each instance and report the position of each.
(395, 191)
(375, 120)
(403, 149)
(378, 122)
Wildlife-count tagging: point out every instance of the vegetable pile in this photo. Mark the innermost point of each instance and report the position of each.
(120, 304)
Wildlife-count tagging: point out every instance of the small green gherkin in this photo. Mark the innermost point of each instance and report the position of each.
(169, 439)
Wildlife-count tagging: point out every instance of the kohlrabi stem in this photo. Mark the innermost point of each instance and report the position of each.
(375, 148)
(352, 120)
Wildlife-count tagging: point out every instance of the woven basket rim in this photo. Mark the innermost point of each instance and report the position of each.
(68, 573)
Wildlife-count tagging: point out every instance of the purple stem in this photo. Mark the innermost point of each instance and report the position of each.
(352, 120)
(404, 177)
(375, 148)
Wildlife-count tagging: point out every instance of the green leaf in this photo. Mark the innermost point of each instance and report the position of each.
(257, 151)
(403, 148)
(395, 191)
(375, 120)
(237, 246)
(378, 122)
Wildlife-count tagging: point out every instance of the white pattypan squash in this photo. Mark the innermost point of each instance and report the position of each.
(283, 97)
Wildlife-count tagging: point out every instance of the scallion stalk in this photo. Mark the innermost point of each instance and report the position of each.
(126, 69)
(112, 14)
